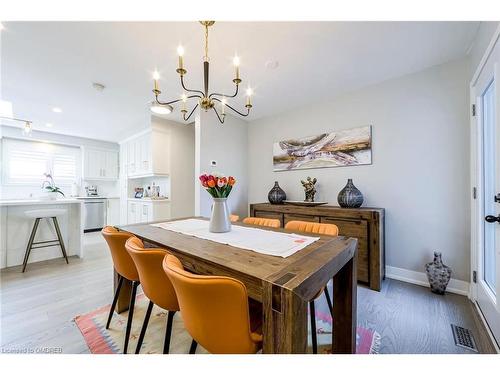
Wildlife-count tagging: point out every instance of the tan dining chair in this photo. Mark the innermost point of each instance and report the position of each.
(155, 285)
(316, 228)
(234, 218)
(126, 270)
(263, 222)
(216, 311)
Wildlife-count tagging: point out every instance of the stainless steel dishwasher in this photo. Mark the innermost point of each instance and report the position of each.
(95, 214)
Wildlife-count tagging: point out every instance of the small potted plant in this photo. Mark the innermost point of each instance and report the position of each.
(50, 187)
(219, 187)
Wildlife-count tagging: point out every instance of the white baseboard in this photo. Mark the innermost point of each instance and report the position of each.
(420, 278)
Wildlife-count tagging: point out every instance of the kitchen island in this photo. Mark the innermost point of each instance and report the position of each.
(15, 229)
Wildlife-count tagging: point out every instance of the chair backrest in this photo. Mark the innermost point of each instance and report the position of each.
(234, 218)
(263, 222)
(122, 261)
(214, 309)
(316, 228)
(155, 283)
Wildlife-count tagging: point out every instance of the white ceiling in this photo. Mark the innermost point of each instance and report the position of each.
(48, 64)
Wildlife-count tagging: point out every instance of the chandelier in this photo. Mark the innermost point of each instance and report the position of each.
(204, 100)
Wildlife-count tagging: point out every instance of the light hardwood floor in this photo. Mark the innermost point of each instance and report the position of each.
(37, 308)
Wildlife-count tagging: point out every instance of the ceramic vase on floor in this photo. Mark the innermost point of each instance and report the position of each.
(350, 196)
(438, 274)
(276, 194)
(219, 221)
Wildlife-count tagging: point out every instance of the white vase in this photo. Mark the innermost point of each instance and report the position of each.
(219, 221)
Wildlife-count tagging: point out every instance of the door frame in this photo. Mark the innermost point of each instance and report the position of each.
(476, 186)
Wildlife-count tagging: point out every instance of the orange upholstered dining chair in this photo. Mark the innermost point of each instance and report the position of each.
(215, 310)
(263, 222)
(125, 267)
(234, 218)
(315, 228)
(155, 284)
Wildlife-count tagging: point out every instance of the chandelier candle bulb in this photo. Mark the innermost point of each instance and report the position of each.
(156, 77)
(236, 62)
(180, 52)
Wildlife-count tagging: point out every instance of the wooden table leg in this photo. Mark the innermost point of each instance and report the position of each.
(344, 309)
(124, 297)
(285, 321)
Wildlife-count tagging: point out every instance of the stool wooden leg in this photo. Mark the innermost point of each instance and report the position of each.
(144, 327)
(59, 237)
(135, 284)
(192, 349)
(168, 333)
(314, 337)
(329, 300)
(115, 299)
(30, 243)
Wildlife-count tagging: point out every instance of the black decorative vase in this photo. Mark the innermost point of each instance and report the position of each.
(438, 274)
(350, 196)
(276, 194)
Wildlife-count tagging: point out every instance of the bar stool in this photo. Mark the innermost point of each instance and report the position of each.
(39, 215)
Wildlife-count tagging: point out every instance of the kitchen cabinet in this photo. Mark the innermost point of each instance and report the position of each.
(140, 211)
(112, 211)
(148, 154)
(100, 164)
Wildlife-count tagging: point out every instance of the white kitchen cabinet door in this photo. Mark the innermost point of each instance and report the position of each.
(134, 212)
(111, 165)
(112, 212)
(94, 161)
(132, 170)
(138, 156)
(147, 212)
(147, 164)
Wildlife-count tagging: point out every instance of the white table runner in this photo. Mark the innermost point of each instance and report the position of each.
(255, 239)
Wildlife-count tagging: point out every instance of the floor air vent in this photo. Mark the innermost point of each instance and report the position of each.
(463, 338)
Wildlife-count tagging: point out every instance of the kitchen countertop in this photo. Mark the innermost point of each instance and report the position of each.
(98, 197)
(149, 199)
(30, 202)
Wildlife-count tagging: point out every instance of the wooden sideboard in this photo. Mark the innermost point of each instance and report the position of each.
(365, 224)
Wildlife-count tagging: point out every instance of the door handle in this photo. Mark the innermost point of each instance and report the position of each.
(492, 219)
(497, 198)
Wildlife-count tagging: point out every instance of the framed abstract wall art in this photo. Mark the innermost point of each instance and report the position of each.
(341, 148)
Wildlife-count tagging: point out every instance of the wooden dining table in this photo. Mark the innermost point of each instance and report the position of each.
(283, 285)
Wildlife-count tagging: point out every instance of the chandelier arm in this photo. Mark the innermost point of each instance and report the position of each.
(184, 114)
(175, 101)
(223, 95)
(235, 110)
(221, 120)
(184, 87)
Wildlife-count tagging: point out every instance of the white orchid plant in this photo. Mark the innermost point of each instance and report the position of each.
(49, 184)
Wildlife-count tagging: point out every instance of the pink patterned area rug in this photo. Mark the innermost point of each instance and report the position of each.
(103, 341)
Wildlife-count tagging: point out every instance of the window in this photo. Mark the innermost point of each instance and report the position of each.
(25, 162)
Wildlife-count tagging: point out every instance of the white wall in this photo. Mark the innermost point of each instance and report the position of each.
(105, 188)
(181, 166)
(482, 40)
(226, 144)
(420, 171)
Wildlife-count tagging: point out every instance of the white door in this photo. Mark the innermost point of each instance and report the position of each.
(486, 91)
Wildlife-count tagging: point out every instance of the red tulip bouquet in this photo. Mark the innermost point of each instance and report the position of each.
(218, 186)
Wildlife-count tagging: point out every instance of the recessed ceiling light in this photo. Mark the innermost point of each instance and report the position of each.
(49, 125)
(56, 110)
